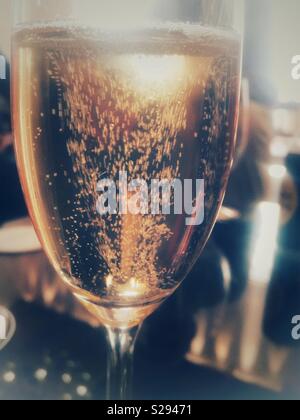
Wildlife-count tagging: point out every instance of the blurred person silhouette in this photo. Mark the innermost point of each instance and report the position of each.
(12, 203)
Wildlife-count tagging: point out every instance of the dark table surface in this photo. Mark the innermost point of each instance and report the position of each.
(54, 357)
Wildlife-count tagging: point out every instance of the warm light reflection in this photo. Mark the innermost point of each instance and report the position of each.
(264, 246)
(252, 322)
(198, 343)
(264, 241)
(66, 378)
(67, 397)
(223, 347)
(279, 148)
(226, 271)
(82, 391)
(40, 375)
(157, 69)
(109, 281)
(277, 171)
(133, 288)
(9, 377)
(284, 121)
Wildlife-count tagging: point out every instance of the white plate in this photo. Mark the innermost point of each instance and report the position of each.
(18, 238)
(8, 326)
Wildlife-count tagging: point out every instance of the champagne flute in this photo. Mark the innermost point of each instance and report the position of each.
(110, 98)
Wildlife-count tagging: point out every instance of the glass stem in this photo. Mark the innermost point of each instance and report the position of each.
(121, 343)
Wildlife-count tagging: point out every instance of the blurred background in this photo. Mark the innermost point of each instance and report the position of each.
(227, 331)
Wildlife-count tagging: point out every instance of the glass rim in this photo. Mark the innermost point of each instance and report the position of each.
(223, 14)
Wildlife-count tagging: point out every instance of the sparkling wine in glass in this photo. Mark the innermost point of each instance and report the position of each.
(125, 117)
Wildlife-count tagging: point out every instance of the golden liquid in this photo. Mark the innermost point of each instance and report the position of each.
(157, 104)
